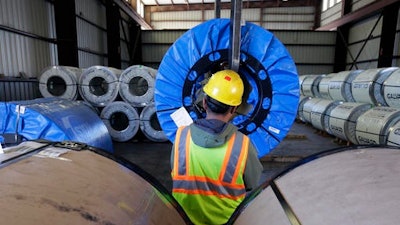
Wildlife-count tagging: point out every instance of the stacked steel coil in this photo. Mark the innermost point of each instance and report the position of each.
(366, 104)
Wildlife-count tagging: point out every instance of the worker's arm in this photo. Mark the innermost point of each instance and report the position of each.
(253, 170)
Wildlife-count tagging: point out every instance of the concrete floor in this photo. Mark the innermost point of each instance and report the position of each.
(302, 140)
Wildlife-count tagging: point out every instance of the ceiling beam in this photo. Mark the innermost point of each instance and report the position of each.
(357, 15)
(227, 5)
(132, 13)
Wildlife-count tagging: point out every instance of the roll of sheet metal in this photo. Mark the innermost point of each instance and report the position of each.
(271, 97)
(55, 119)
(340, 85)
(136, 85)
(150, 126)
(343, 120)
(320, 114)
(391, 88)
(323, 86)
(60, 81)
(121, 120)
(300, 111)
(66, 183)
(374, 125)
(98, 85)
(301, 80)
(310, 85)
(394, 135)
(307, 108)
(357, 185)
(367, 86)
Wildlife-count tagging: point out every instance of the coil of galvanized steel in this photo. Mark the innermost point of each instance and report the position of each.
(300, 110)
(121, 120)
(69, 183)
(367, 86)
(391, 88)
(373, 126)
(136, 85)
(60, 81)
(340, 85)
(98, 85)
(307, 108)
(343, 120)
(323, 86)
(320, 114)
(356, 185)
(310, 85)
(150, 126)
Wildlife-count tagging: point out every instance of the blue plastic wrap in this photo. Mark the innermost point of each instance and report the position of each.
(266, 67)
(55, 119)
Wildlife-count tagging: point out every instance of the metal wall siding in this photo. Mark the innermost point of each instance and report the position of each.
(124, 51)
(364, 66)
(154, 53)
(357, 4)
(174, 25)
(331, 14)
(124, 16)
(271, 18)
(160, 36)
(23, 54)
(306, 37)
(287, 26)
(289, 10)
(312, 54)
(91, 37)
(124, 30)
(87, 59)
(177, 16)
(311, 51)
(19, 14)
(251, 15)
(368, 52)
(292, 18)
(19, 89)
(20, 53)
(313, 69)
(362, 30)
(93, 11)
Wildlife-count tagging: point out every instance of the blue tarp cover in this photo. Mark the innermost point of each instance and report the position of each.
(55, 119)
(278, 71)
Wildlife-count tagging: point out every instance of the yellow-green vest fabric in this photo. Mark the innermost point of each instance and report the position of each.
(208, 182)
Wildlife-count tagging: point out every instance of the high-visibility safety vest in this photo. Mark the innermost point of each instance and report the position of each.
(208, 182)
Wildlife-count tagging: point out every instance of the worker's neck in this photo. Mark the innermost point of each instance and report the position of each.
(222, 117)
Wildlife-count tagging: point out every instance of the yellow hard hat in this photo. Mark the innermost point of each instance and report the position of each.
(225, 86)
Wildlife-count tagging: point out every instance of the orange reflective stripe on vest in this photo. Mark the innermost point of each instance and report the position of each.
(226, 185)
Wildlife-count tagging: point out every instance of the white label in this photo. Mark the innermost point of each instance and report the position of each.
(52, 152)
(181, 117)
(1, 149)
(20, 109)
(273, 129)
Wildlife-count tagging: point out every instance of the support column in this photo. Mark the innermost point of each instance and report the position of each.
(67, 41)
(113, 35)
(135, 34)
(388, 35)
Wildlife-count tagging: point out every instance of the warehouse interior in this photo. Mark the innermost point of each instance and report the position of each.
(117, 77)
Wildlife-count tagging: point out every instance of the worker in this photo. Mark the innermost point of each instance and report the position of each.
(213, 164)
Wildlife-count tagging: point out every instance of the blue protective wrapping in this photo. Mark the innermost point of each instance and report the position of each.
(266, 66)
(55, 119)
